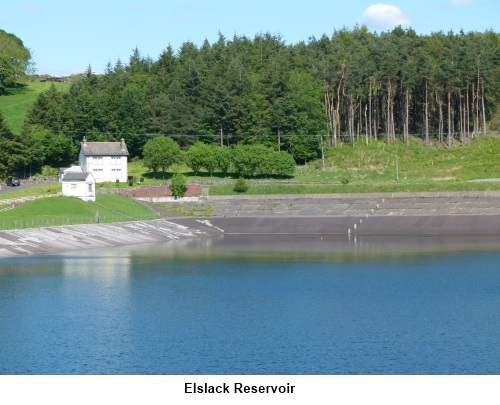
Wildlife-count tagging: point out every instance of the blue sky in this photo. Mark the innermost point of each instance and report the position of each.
(67, 36)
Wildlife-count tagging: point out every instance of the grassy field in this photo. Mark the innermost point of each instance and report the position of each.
(376, 167)
(416, 162)
(382, 187)
(42, 189)
(16, 104)
(53, 211)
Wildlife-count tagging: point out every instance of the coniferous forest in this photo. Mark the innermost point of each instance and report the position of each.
(352, 86)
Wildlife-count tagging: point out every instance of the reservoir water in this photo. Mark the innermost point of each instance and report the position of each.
(256, 305)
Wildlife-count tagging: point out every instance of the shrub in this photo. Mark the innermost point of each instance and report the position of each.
(240, 186)
(202, 155)
(283, 164)
(223, 157)
(249, 160)
(179, 185)
(49, 171)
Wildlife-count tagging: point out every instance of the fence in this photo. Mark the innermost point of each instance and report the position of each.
(74, 220)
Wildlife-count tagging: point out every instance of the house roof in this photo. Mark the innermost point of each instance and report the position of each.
(76, 176)
(70, 169)
(104, 148)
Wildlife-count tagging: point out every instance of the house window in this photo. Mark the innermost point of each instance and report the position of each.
(73, 186)
(90, 188)
(116, 173)
(97, 173)
(116, 160)
(98, 160)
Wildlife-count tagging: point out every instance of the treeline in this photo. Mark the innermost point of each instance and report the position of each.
(242, 160)
(354, 84)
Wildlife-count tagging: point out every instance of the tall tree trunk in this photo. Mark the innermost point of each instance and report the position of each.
(337, 109)
(449, 119)
(330, 115)
(376, 120)
(467, 121)
(351, 120)
(474, 116)
(388, 124)
(333, 117)
(440, 124)
(367, 130)
(360, 121)
(369, 127)
(461, 117)
(407, 116)
(477, 102)
(393, 127)
(484, 111)
(426, 123)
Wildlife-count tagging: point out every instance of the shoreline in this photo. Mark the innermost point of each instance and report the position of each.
(67, 238)
(366, 215)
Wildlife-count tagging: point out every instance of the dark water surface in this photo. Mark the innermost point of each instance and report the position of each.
(256, 305)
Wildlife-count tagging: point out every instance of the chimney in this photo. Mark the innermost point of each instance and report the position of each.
(84, 140)
(122, 143)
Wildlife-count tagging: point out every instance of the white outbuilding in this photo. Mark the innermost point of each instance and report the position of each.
(79, 184)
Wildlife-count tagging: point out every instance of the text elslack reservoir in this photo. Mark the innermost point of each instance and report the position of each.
(237, 388)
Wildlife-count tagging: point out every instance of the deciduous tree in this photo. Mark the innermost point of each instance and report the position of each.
(15, 60)
(161, 152)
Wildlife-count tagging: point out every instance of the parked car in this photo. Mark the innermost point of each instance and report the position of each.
(13, 181)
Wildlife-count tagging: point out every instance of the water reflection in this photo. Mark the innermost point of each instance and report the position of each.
(307, 247)
(105, 278)
(107, 266)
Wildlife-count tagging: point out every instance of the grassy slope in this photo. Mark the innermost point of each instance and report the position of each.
(125, 205)
(42, 189)
(418, 163)
(387, 187)
(64, 211)
(372, 168)
(17, 103)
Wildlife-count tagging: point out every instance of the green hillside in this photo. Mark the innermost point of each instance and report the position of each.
(16, 104)
(69, 211)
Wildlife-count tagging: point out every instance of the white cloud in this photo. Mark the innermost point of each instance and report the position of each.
(462, 3)
(386, 16)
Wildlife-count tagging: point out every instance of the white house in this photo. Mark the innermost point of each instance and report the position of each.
(79, 184)
(107, 161)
